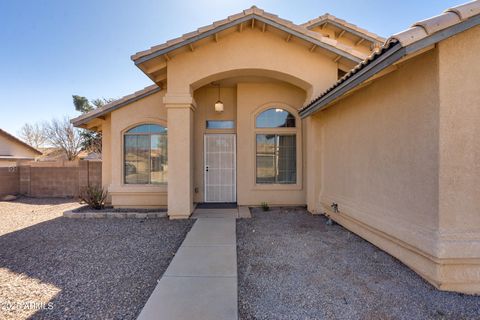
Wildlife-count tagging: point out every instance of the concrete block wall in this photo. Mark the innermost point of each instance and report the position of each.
(59, 179)
(54, 181)
(9, 180)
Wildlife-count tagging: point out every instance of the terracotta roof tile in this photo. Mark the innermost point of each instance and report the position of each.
(466, 10)
(424, 28)
(328, 17)
(253, 10)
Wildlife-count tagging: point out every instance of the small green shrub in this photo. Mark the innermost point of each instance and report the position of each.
(94, 196)
(265, 206)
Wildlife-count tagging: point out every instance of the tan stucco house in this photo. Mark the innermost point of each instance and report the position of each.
(13, 150)
(381, 135)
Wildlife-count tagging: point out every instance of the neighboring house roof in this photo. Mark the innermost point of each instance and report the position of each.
(247, 15)
(419, 36)
(14, 158)
(16, 140)
(52, 154)
(56, 154)
(344, 25)
(109, 107)
(90, 156)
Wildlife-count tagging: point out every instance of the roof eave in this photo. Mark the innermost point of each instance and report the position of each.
(85, 118)
(233, 23)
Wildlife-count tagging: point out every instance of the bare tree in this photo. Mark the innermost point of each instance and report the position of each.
(33, 134)
(62, 134)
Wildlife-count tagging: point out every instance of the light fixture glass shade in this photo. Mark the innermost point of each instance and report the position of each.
(219, 106)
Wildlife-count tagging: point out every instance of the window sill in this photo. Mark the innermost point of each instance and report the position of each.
(140, 188)
(277, 187)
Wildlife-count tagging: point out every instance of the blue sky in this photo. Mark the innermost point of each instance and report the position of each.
(51, 49)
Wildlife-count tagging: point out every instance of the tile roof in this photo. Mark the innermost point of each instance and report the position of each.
(86, 117)
(13, 138)
(327, 17)
(418, 31)
(251, 12)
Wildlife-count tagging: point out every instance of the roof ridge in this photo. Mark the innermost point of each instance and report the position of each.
(250, 11)
(345, 23)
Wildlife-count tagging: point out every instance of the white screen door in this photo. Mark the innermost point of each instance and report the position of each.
(220, 171)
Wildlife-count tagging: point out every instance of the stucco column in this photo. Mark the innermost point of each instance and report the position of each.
(312, 145)
(180, 112)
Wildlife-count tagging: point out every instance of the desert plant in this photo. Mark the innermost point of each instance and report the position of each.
(94, 196)
(265, 206)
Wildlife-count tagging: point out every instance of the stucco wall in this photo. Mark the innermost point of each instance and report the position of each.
(252, 50)
(459, 175)
(147, 110)
(253, 98)
(9, 147)
(379, 153)
(205, 99)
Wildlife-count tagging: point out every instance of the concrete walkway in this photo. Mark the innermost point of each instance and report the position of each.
(201, 281)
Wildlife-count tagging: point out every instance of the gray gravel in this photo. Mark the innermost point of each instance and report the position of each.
(86, 208)
(88, 269)
(293, 266)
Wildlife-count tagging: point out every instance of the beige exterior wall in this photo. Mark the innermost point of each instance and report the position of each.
(239, 55)
(205, 99)
(378, 160)
(459, 161)
(254, 98)
(252, 52)
(369, 163)
(107, 154)
(401, 157)
(147, 110)
(243, 101)
(460, 133)
(8, 147)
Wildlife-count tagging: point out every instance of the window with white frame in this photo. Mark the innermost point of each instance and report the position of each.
(276, 147)
(145, 155)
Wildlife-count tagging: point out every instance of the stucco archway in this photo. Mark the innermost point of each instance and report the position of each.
(251, 53)
(260, 73)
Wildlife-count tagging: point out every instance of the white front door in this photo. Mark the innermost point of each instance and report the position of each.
(220, 168)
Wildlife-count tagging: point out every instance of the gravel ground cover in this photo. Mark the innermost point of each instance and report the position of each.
(86, 208)
(291, 265)
(58, 268)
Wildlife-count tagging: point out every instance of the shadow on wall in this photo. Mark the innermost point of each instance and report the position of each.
(87, 268)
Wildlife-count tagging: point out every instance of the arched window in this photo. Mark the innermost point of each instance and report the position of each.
(276, 150)
(275, 118)
(145, 155)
